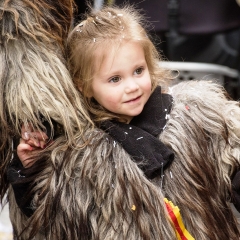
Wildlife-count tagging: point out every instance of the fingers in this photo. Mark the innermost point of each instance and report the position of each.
(34, 138)
(42, 136)
(25, 130)
(38, 139)
(24, 152)
(24, 146)
(25, 135)
(36, 143)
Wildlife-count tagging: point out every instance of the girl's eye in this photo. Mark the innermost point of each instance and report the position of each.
(115, 79)
(138, 71)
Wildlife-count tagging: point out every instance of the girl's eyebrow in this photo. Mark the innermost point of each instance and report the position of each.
(111, 73)
(141, 63)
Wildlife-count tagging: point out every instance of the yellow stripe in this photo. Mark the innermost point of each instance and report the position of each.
(176, 212)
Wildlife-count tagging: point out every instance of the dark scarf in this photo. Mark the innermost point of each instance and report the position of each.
(139, 138)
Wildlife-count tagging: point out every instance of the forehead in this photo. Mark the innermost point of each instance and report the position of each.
(113, 53)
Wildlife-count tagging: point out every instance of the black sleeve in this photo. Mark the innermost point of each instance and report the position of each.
(20, 187)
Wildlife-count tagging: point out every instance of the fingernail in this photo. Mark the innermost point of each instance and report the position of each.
(37, 144)
(26, 135)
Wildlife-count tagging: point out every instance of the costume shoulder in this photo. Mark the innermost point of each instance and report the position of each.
(203, 131)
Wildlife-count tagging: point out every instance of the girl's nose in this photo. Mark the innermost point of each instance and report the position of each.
(131, 86)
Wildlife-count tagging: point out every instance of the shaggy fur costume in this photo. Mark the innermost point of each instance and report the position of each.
(35, 85)
(88, 192)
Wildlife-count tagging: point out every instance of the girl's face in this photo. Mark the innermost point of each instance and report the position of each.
(123, 84)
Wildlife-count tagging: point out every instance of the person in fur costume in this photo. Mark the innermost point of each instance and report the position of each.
(80, 187)
(100, 192)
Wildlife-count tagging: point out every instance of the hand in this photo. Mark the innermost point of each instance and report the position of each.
(26, 152)
(34, 138)
(31, 142)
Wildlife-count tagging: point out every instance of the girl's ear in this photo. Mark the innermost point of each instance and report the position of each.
(78, 84)
(88, 94)
(80, 88)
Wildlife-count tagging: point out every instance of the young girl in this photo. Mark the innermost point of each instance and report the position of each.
(116, 67)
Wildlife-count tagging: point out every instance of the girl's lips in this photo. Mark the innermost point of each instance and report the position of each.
(133, 100)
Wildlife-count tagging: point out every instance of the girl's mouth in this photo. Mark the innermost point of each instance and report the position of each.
(133, 100)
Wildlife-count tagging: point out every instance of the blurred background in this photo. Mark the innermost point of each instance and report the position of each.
(5, 225)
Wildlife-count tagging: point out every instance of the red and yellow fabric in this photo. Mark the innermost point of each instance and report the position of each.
(175, 216)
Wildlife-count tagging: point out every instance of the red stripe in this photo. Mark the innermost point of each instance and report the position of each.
(175, 222)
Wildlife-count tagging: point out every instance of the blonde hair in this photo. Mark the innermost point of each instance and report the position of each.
(105, 30)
